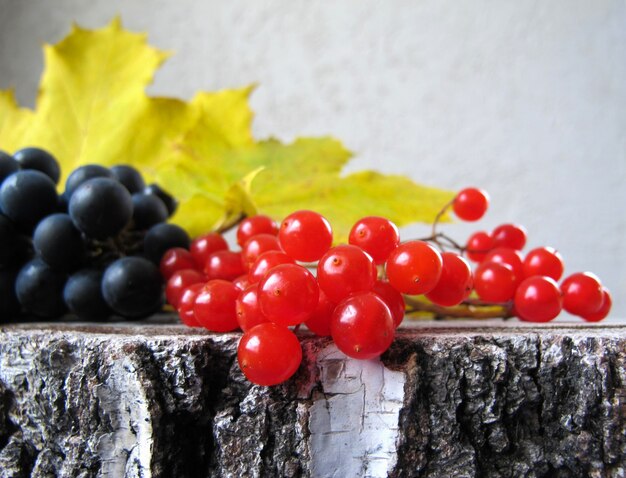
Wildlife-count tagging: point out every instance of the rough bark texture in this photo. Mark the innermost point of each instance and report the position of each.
(161, 400)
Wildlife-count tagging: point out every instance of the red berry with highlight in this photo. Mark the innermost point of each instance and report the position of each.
(305, 235)
(248, 311)
(604, 309)
(375, 235)
(215, 306)
(470, 204)
(288, 294)
(478, 246)
(269, 354)
(495, 282)
(455, 283)
(176, 259)
(202, 247)
(582, 294)
(543, 261)
(251, 226)
(414, 267)
(265, 262)
(362, 326)
(179, 281)
(344, 270)
(538, 299)
(509, 235)
(225, 265)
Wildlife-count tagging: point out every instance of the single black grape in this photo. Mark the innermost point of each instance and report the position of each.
(83, 295)
(162, 237)
(59, 243)
(8, 241)
(8, 165)
(101, 207)
(82, 174)
(132, 287)
(26, 197)
(9, 306)
(39, 289)
(170, 203)
(129, 177)
(148, 210)
(39, 160)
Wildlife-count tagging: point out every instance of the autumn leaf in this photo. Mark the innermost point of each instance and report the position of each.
(92, 108)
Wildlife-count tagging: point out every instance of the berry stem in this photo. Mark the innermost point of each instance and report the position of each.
(469, 309)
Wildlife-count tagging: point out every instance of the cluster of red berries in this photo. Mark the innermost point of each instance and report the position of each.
(504, 275)
(356, 293)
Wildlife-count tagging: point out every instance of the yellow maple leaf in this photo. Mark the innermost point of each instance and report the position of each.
(92, 108)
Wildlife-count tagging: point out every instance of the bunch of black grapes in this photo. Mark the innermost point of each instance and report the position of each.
(91, 252)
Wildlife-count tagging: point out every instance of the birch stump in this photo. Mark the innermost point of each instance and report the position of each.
(162, 400)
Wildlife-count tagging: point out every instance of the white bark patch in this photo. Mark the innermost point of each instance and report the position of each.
(354, 419)
(128, 450)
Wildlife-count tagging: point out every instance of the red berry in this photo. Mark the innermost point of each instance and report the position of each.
(344, 270)
(202, 247)
(604, 310)
(178, 282)
(509, 235)
(393, 299)
(242, 282)
(288, 294)
(319, 321)
(478, 246)
(470, 204)
(538, 299)
(187, 302)
(362, 326)
(265, 262)
(510, 257)
(582, 294)
(214, 308)
(455, 283)
(495, 282)
(305, 235)
(543, 261)
(257, 245)
(248, 310)
(251, 226)
(269, 354)
(176, 259)
(414, 267)
(375, 235)
(226, 265)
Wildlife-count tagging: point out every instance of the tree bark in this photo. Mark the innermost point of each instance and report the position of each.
(162, 400)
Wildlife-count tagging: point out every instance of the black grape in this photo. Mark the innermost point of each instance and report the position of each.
(8, 241)
(148, 210)
(82, 174)
(83, 295)
(39, 289)
(170, 203)
(101, 207)
(40, 160)
(26, 197)
(59, 243)
(131, 286)
(129, 177)
(8, 165)
(9, 306)
(162, 237)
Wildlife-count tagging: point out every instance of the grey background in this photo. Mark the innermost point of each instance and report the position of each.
(525, 99)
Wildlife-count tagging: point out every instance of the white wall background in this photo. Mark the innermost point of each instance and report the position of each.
(526, 99)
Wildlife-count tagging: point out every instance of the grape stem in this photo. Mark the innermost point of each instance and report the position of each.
(469, 309)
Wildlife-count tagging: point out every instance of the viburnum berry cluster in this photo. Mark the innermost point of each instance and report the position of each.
(358, 293)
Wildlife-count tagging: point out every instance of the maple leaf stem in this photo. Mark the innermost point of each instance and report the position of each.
(469, 309)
